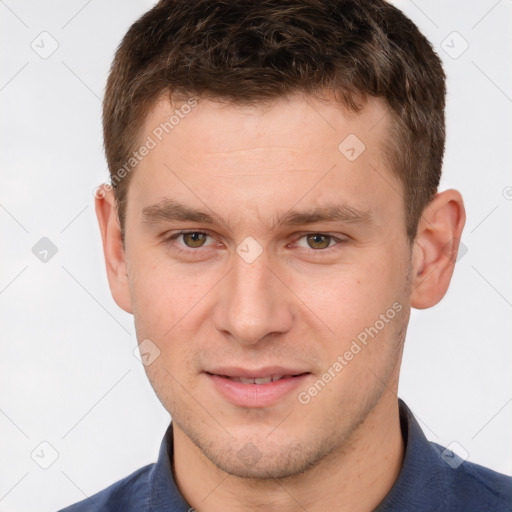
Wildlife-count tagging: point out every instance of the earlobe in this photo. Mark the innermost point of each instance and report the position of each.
(113, 250)
(435, 248)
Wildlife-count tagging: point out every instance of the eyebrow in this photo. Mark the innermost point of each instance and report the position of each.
(169, 209)
(172, 210)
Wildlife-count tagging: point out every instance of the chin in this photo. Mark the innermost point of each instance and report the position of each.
(252, 463)
(257, 457)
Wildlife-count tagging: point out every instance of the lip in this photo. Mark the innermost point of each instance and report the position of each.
(256, 395)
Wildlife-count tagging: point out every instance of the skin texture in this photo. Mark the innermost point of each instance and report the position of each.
(298, 304)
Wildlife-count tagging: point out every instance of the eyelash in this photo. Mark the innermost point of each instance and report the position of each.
(172, 237)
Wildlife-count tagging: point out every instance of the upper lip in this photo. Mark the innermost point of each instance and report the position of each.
(256, 373)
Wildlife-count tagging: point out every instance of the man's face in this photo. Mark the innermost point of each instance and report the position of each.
(264, 290)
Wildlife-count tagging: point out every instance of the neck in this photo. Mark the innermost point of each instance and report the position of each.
(355, 477)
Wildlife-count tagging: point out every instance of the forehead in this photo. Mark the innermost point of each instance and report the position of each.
(266, 157)
(286, 122)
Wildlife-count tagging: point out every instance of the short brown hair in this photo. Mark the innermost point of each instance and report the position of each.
(247, 52)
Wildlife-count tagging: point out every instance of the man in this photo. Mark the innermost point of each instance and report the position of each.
(273, 217)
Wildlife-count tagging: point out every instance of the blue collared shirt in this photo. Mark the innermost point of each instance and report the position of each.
(432, 479)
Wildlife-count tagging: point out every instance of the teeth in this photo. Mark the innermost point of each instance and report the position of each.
(278, 377)
(244, 380)
(260, 380)
(263, 380)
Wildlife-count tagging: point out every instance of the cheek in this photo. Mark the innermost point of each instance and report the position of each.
(350, 297)
(161, 293)
(168, 310)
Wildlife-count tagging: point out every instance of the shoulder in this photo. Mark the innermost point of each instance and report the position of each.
(128, 494)
(434, 478)
(472, 486)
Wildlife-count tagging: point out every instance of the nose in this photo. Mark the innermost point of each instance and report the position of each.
(253, 302)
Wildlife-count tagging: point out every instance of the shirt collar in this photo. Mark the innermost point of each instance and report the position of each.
(421, 471)
(164, 494)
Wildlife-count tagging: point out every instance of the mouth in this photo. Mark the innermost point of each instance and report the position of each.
(258, 380)
(255, 388)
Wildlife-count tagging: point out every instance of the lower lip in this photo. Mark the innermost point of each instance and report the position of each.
(255, 395)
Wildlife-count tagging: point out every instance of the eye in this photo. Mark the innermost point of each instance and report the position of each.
(191, 239)
(317, 241)
(194, 240)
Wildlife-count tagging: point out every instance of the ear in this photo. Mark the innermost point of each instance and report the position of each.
(113, 250)
(435, 248)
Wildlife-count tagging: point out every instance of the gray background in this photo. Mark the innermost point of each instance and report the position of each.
(68, 375)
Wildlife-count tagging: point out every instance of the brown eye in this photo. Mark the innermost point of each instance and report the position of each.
(318, 241)
(194, 240)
